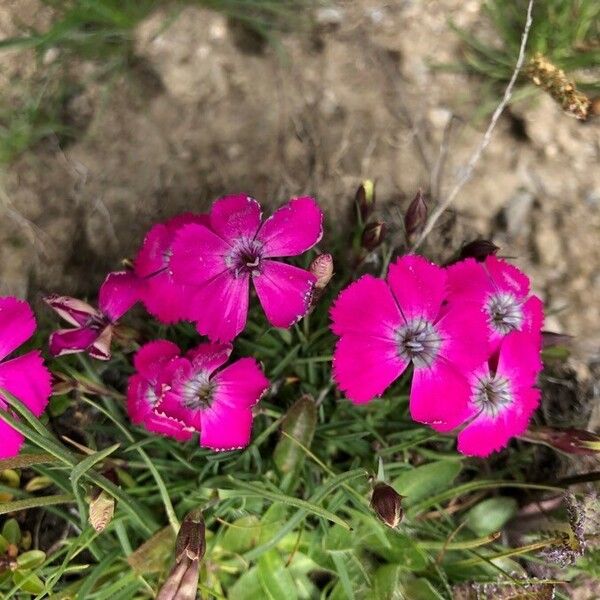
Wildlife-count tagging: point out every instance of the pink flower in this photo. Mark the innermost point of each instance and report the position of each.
(93, 329)
(177, 395)
(503, 396)
(25, 376)
(219, 262)
(503, 291)
(387, 326)
(163, 298)
(154, 364)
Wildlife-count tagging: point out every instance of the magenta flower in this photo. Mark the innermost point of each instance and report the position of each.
(25, 376)
(93, 329)
(154, 363)
(219, 262)
(387, 326)
(163, 298)
(503, 291)
(177, 395)
(503, 396)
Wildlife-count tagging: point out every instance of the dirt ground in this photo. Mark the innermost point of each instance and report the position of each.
(205, 114)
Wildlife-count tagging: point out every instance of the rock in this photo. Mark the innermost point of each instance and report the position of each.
(330, 17)
(516, 214)
(548, 244)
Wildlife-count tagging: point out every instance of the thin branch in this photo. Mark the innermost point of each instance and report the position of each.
(467, 172)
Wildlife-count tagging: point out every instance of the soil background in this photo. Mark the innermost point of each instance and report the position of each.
(209, 111)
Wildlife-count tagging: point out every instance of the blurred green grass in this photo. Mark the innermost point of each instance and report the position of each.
(102, 31)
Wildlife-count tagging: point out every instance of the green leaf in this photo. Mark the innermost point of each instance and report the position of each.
(491, 514)
(252, 490)
(275, 578)
(87, 463)
(29, 582)
(247, 587)
(397, 548)
(4, 544)
(299, 423)
(338, 539)
(241, 535)
(27, 460)
(35, 502)
(11, 531)
(422, 482)
(385, 583)
(31, 560)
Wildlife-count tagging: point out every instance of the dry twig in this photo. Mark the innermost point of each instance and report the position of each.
(467, 171)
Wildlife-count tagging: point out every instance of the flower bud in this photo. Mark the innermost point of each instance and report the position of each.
(182, 582)
(551, 339)
(322, 268)
(570, 440)
(365, 199)
(387, 504)
(416, 215)
(191, 541)
(373, 235)
(478, 249)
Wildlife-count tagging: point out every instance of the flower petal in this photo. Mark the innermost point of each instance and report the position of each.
(225, 428)
(165, 299)
(119, 292)
(27, 378)
(506, 277)
(533, 312)
(292, 229)
(366, 307)
(439, 396)
(167, 426)
(74, 311)
(17, 324)
(208, 357)
(220, 307)
(464, 329)
(240, 385)
(198, 255)
(418, 285)
(284, 292)
(151, 357)
(468, 281)
(140, 406)
(235, 217)
(154, 254)
(485, 434)
(365, 366)
(520, 359)
(70, 341)
(12, 440)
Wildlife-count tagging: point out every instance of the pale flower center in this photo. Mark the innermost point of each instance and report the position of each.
(198, 391)
(505, 312)
(245, 258)
(418, 341)
(492, 393)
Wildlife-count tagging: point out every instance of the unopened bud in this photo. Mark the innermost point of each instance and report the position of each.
(551, 339)
(570, 440)
(373, 235)
(365, 199)
(416, 215)
(387, 504)
(322, 268)
(182, 582)
(191, 540)
(478, 249)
